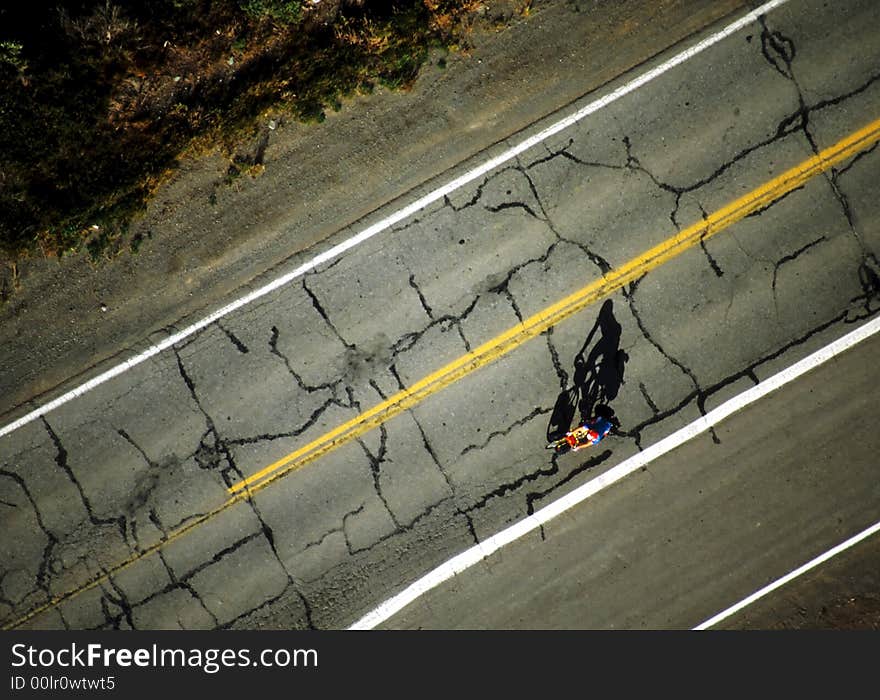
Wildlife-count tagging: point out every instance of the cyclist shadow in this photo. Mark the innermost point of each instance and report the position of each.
(597, 378)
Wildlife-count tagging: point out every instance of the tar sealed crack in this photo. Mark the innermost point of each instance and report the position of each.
(241, 347)
(61, 460)
(323, 314)
(422, 300)
(375, 462)
(44, 569)
(538, 411)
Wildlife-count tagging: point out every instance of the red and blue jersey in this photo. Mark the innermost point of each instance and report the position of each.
(597, 429)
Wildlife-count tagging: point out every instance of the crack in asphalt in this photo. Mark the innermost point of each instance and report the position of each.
(308, 388)
(425, 442)
(402, 529)
(375, 462)
(629, 295)
(551, 470)
(554, 358)
(323, 314)
(429, 312)
(212, 450)
(220, 451)
(502, 287)
(422, 300)
(648, 399)
(61, 460)
(120, 600)
(855, 159)
(846, 317)
(537, 411)
(312, 420)
(444, 322)
(182, 582)
(716, 268)
(773, 44)
(176, 583)
(788, 258)
(240, 346)
(145, 484)
(280, 597)
(292, 583)
(433, 454)
(337, 531)
(761, 210)
(52, 541)
(533, 496)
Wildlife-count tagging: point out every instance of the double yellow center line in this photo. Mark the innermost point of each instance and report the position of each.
(543, 320)
(487, 352)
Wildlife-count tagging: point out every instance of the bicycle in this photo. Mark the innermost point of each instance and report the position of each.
(589, 433)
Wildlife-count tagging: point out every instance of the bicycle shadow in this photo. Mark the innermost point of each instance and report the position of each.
(598, 374)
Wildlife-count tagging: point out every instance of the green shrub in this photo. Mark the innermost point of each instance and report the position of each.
(283, 12)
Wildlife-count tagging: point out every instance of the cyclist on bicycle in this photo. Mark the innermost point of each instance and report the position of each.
(597, 427)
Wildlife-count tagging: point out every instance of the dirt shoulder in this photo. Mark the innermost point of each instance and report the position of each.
(206, 236)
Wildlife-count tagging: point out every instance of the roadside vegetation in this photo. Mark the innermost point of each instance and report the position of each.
(99, 100)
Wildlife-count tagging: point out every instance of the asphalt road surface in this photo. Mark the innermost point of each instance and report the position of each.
(173, 495)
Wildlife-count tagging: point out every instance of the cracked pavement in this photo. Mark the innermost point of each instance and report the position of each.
(111, 476)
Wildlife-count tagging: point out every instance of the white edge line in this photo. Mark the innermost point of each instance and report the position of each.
(475, 554)
(855, 539)
(394, 218)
